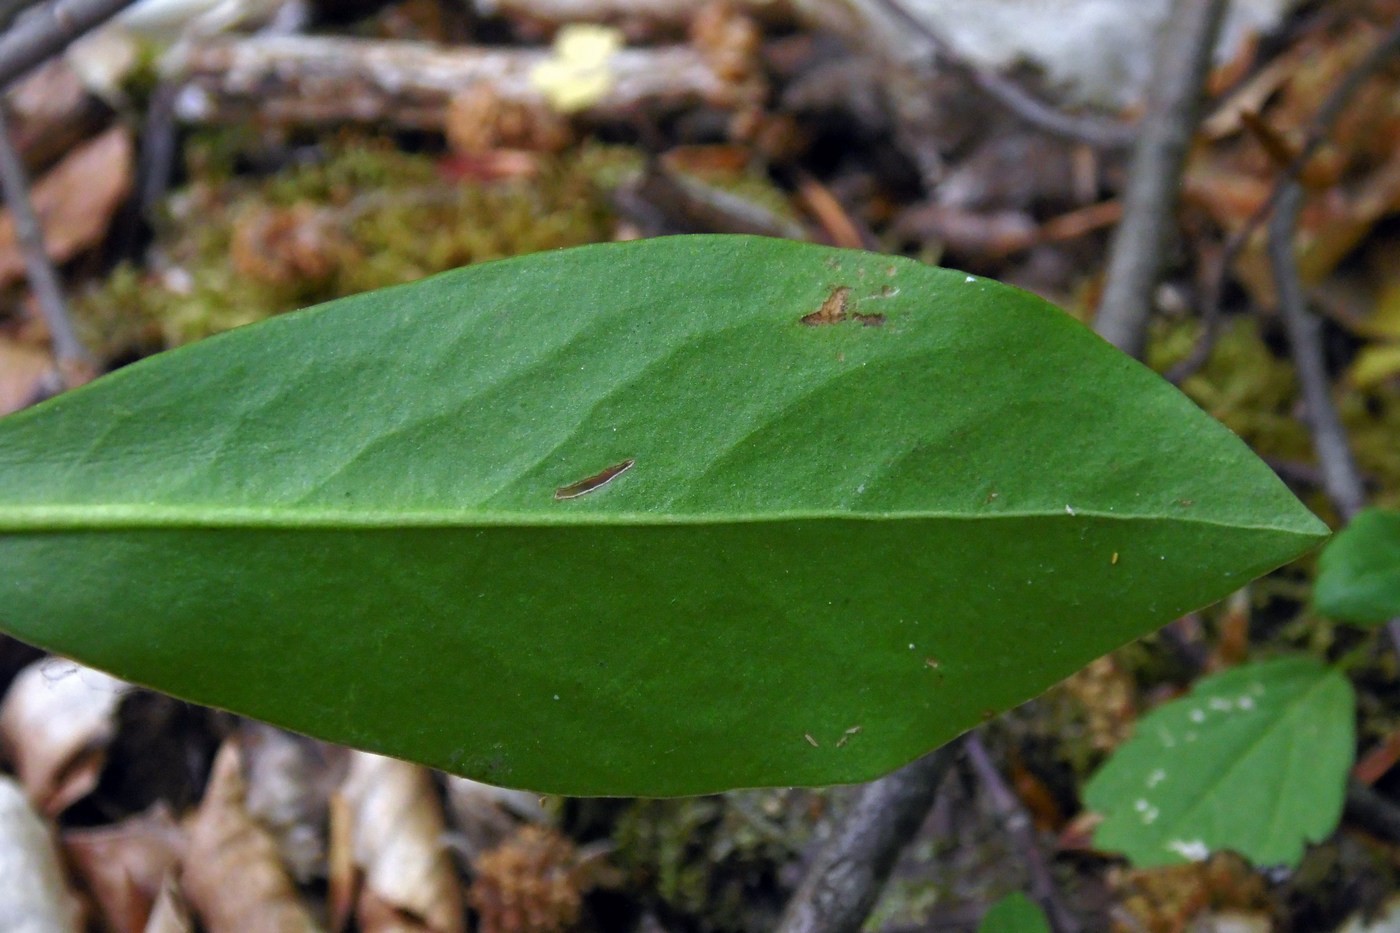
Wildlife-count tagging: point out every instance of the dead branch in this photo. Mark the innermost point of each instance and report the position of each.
(1340, 476)
(1319, 128)
(674, 14)
(1014, 98)
(75, 363)
(1017, 823)
(47, 30)
(317, 80)
(1149, 203)
(842, 884)
(1373, 810)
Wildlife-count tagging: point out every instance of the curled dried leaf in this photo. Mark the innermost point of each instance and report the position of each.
(226, 843)
(56, 723)
(396, 834)
(123, 866)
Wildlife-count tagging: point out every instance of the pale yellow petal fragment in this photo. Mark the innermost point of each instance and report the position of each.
(579, 72)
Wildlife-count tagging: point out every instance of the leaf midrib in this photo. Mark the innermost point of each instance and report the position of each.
(26, 519)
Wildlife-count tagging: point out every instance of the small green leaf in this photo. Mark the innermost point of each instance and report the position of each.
(1358, 574)
(1014, 913)
(653, 518)
(1254, 759)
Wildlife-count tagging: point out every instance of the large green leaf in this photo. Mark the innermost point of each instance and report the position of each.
(1255, 760)
(1358, 574)
(869, 504)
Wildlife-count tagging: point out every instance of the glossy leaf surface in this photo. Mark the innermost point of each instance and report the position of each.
(1358, 574)
(652, 518)
(1254, 759)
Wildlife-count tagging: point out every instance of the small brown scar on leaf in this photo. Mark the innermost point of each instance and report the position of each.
(597, 481)
(832, 310)
(932, 664)
(1186, 503)
(835, 309)
(811, 741)
(992, 496)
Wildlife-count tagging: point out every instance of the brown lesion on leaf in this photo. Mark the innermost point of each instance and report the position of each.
(837, 309)
(832, 310)
(597, 481)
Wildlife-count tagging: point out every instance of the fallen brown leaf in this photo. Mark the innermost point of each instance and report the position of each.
(56, 723)
(23, 371)
(397, 840)
(170, 914)
(123, 866)
(233, 876)
(290, 781)
(51, 113)
(33, 892)
(74, 202)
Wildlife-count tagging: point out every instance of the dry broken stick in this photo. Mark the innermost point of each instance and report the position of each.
(75, 363)
(1319, 128)
(1021, 828)
(48, 30)
(1016, 99)
(1340, 476)
(1154, 183)
(318, 80)
(844, 881)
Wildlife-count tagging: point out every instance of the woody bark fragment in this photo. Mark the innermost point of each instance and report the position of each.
(317, 80)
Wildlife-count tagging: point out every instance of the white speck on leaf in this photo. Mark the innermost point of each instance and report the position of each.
(970, 278)
(1245, 702)
(1068, 509)
(1198, 715)
(1156, 777)
(1221, 705)
(1193, 849)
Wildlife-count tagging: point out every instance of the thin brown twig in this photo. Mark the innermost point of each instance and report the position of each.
(47, 30)
(1341, 479)
(1021, 828)
(1376, 812)
(75, 363)
(1319, 128)
(1101, 134)
(843, 883)
(1149, 222)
